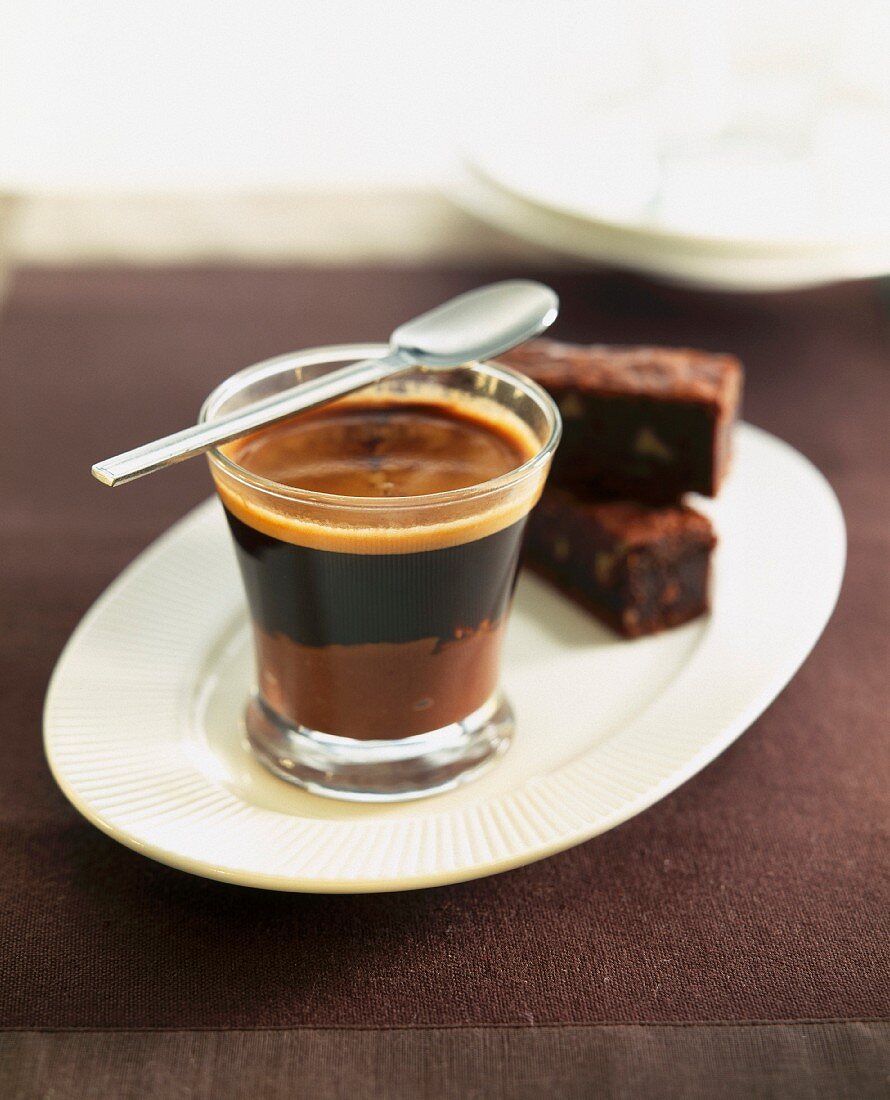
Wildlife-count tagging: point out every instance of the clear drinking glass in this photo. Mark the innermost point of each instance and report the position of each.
(378, 621)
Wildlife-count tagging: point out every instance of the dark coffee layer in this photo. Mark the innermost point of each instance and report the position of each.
(322, 597)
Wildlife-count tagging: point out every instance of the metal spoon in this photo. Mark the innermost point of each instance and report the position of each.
(474, 326)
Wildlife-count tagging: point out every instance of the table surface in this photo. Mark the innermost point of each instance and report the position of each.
(735, 932)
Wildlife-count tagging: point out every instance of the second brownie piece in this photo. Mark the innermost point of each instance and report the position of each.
(646, 423)
(639, 568)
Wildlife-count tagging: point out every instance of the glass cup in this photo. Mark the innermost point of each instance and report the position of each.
(378, 621)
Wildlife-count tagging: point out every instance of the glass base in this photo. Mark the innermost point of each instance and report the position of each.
(380, 771)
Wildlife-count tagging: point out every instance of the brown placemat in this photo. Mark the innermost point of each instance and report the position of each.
(758, 891)
(818, 1061)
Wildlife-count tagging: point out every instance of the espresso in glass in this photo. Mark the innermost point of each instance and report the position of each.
(378, 539)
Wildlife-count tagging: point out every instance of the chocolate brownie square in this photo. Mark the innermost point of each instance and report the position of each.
(647, 423)
(637, 567)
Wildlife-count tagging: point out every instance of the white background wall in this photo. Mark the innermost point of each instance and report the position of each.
(143, 94)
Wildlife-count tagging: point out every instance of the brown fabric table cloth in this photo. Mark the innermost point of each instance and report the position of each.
(731, 940)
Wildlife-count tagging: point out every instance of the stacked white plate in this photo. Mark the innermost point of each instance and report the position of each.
(743, 211)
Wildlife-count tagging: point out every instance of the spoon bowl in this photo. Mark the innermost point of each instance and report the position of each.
(478, 325)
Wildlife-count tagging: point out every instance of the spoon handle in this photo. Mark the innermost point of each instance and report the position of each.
(201, 437)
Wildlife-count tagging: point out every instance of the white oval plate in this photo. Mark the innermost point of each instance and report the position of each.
(143, 716)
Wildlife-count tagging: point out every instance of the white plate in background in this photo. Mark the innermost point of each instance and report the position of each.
(709, 262)
(747, 192)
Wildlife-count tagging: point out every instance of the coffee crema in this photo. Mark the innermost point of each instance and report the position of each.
(387, 631)
(390, 449)
(407, 433)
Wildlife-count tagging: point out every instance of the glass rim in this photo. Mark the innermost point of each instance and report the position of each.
(345, 353)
